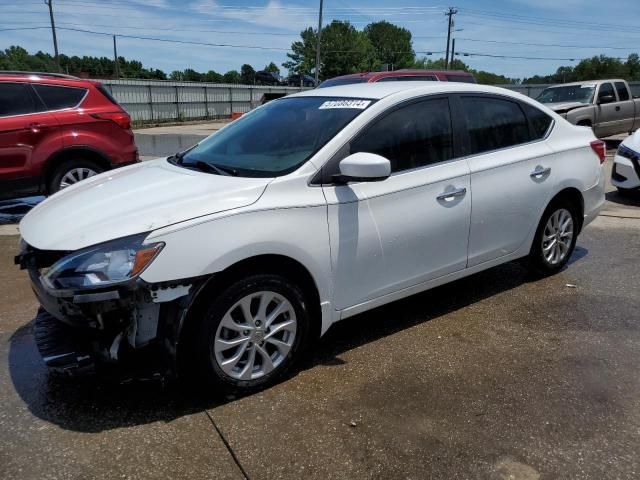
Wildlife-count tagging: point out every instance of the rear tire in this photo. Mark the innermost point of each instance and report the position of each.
(71, 172)
(251, 334)
(555, 238)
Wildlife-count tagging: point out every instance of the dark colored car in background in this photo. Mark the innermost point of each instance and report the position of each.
(301, 81)
(56, 130)
(401, 75)
(268, 78)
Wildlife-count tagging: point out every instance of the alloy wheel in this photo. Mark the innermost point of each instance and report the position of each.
(75, 175)
(255, 335)
(557, 236)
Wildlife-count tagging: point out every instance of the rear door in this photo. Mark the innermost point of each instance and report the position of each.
(511, 172)
(61, 102)
(627, 107)
(25, 132)
(411, 227)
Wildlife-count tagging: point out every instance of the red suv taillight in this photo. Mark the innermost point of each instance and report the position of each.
(600, 148)
(119, 118)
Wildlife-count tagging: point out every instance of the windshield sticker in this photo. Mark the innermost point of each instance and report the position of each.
(358, 104)
(587, 86)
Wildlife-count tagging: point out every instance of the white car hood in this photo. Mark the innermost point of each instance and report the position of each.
(564, 106)
(135, 199)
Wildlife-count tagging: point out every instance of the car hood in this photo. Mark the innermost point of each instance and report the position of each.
(564, 106)
(135, 199)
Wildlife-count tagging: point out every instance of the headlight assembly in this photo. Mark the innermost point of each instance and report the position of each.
(626, 152)
(102, 265)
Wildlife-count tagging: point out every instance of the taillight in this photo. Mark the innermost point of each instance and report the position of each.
(119, 118)
(600, 148)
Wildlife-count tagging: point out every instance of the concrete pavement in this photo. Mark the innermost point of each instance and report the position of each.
(494, 376)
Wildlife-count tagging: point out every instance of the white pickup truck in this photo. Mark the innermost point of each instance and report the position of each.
(607, 106)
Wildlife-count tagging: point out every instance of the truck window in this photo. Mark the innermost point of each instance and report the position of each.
(623, 93)
(606, 89)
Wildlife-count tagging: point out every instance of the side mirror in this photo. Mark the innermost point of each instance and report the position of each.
(363, 167)
(606, 99)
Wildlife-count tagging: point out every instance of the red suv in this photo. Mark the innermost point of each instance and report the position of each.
(401, 75)
(56, 130)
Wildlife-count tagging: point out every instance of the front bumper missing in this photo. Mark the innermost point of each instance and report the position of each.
(80, 331)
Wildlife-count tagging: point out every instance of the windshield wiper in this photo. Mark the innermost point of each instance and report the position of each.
(177, 158)
(211, 168)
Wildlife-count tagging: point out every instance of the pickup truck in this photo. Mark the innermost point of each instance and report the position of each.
(607, 106)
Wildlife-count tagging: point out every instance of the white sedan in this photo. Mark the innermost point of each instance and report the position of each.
(229, 259)
(625, 175)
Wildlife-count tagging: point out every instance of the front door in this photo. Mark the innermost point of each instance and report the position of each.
(411, 227)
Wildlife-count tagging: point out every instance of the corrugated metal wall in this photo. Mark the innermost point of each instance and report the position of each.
(151, 101)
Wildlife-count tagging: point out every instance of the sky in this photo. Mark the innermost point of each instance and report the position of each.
(550, 33)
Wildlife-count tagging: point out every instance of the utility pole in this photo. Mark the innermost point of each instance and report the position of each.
(49, 3)
(115, 58)
(318, 44)
(453, 51)
(452, 11)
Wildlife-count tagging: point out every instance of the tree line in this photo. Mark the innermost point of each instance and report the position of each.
(345, 49)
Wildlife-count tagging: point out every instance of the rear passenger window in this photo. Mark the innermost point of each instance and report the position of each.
(57, 98)
(539, 120)
(413, 136)
(623, 93)
(16, 99)
(494, 123)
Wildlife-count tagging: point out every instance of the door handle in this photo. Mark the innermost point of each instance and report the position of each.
(451, 194)
(539, 172)
(618, 108)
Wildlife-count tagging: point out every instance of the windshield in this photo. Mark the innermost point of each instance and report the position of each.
(277, 138)
(334, 82)
(570, 93)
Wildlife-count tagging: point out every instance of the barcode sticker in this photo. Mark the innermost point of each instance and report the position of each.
(357, 104)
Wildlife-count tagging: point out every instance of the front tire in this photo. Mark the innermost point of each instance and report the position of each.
(252, 334)
(555, 238)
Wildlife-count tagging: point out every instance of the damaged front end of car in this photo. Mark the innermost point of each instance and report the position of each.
(97, 311)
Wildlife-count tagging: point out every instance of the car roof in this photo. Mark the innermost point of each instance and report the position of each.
(587, 82)
(400, 73)
(53, 79)
(376, 91)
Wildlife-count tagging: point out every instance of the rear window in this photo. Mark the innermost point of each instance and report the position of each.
(57, 97)
(15, 99)
(409, 78)
(106, 93)
(461, 78)
(623, 93)
(334, 82)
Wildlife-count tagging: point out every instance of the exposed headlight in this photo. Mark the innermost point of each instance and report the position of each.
(104, 264)
(626, 152)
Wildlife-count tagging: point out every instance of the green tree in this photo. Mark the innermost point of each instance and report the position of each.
(273, 68)
(247, 74)
(392, 44)
(344, 50)
(232, 76)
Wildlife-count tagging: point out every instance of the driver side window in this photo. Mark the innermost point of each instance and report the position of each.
(606, 89)
(412, 136)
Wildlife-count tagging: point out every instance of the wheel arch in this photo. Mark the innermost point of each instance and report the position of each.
(80, 151)
(265, 263)
(574, 197)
